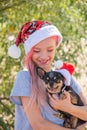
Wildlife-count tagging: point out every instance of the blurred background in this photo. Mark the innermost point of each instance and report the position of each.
(70, 16)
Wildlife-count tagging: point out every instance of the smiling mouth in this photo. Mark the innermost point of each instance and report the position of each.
(44, 62)
(52, 88)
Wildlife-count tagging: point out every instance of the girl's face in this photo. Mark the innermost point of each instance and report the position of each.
(44, 52)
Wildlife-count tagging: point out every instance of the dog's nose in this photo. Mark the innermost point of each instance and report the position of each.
(51, 84)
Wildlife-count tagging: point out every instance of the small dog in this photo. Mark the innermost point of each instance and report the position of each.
(54, 83)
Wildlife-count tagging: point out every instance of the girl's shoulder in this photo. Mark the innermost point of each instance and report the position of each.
(22, 84)
(23, 73)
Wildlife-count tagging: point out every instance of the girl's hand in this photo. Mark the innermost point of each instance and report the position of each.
(82, 127)
(59, 104)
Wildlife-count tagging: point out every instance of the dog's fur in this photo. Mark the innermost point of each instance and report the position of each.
(54, 83)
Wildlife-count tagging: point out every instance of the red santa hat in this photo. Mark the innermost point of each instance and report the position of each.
(66, 69)
(32, 33)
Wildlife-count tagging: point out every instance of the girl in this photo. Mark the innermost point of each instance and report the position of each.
(32, 111)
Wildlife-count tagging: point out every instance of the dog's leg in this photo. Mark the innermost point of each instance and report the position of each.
(74, 121)
(67, 123)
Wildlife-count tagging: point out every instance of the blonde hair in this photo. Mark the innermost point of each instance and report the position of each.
(37, 85)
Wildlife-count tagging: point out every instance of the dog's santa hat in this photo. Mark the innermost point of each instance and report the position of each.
(32, 33)
(66, 69)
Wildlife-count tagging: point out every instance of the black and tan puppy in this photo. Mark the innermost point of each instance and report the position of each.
(54, 83)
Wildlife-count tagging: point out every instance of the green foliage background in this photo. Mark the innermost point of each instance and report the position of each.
(70, 16)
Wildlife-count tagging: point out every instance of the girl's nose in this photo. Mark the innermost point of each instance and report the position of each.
(43, 56)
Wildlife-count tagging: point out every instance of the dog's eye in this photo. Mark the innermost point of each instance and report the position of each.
(54, 78)
(47, 78)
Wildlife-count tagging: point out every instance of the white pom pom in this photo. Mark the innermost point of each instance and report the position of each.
(14, 51)
(58, 64)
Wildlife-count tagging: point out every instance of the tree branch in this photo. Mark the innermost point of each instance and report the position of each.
(3, 98)
(5, 106)
(12, 5)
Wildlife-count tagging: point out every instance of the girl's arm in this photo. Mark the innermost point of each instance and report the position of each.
(37, 121)
(81, 111)
(35, 118)
(66, 106)
(83, 98)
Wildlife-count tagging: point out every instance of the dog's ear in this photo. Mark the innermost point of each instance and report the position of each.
(40, 72)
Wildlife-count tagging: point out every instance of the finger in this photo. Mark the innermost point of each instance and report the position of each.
(86, 125)
(82, 127)
(55, 96)
(52, 101)
(50, 97)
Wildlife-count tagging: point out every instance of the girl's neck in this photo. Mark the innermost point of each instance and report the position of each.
(48, 69)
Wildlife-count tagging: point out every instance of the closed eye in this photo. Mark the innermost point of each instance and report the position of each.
(50, 50)
(36, 51)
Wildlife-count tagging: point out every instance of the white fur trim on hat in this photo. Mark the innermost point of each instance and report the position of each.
(40, 35)
(58, 64)
(14, 51)
(66, 75)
